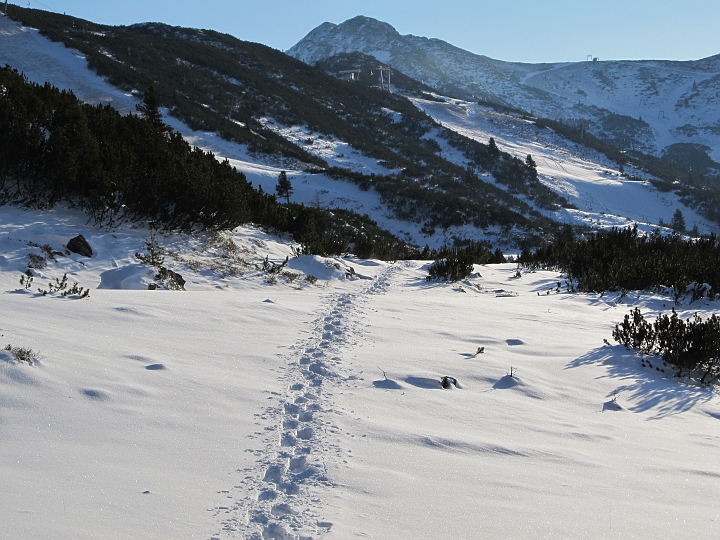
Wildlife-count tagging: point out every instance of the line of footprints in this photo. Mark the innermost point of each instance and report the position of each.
(277, 503)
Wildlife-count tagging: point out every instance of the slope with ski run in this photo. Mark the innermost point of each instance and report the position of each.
(583, 176)
(250, 406)
(42, 60)
(676, 99)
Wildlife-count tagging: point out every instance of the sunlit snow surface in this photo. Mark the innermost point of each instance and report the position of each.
(253, 404)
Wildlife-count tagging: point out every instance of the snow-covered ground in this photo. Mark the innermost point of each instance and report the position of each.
(335, 152)
(253, 404)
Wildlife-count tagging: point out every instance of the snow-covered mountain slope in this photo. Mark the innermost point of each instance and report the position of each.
(262, 406)
(646, 105)
(586, 178)
(43, 60)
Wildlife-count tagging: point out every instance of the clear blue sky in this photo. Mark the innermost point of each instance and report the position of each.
(515, 30)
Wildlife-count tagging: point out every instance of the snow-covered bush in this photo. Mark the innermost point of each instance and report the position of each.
(155, 256)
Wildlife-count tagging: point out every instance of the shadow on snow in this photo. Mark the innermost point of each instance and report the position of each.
(644, 390)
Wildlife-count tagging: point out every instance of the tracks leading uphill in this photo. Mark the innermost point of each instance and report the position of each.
(281, 497)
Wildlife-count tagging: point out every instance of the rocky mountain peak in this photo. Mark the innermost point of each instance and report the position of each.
(649, 106)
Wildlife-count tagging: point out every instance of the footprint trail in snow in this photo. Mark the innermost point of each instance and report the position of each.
(281, 497)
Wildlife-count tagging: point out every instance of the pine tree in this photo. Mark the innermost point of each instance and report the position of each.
(492, 147)
(678, 221)
(530, 168)
(284, 187)
(149, 109)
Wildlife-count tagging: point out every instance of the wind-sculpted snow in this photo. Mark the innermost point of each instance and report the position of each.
(256, 406)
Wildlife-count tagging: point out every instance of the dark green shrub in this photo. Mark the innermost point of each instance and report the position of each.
(626, 260)
(689, 345)
(454, 267)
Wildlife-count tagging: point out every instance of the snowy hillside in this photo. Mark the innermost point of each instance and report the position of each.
(586, 178)
(260, 406)
(646, 105)
(42, 60)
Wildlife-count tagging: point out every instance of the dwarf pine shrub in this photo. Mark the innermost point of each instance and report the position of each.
(690, 345)
(61, 287)
(454, 267)
(26, 279)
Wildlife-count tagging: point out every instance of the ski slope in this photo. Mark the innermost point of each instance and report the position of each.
(586, 178)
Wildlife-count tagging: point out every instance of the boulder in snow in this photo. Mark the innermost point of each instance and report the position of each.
(80, 246)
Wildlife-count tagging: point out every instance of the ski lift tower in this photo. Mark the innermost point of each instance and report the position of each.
(383, 71)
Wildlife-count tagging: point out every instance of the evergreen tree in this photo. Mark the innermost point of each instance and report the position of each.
(149, 109)
(284, 187)
(492, 148)
(530, 168)
(678, 221)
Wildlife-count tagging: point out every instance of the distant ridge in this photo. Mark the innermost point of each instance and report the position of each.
(641, 105)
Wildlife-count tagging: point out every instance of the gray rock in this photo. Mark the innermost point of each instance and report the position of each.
(80, 246)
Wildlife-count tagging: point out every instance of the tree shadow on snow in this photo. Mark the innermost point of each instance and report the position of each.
(422, 283)
(543, 285)
(644, 390)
